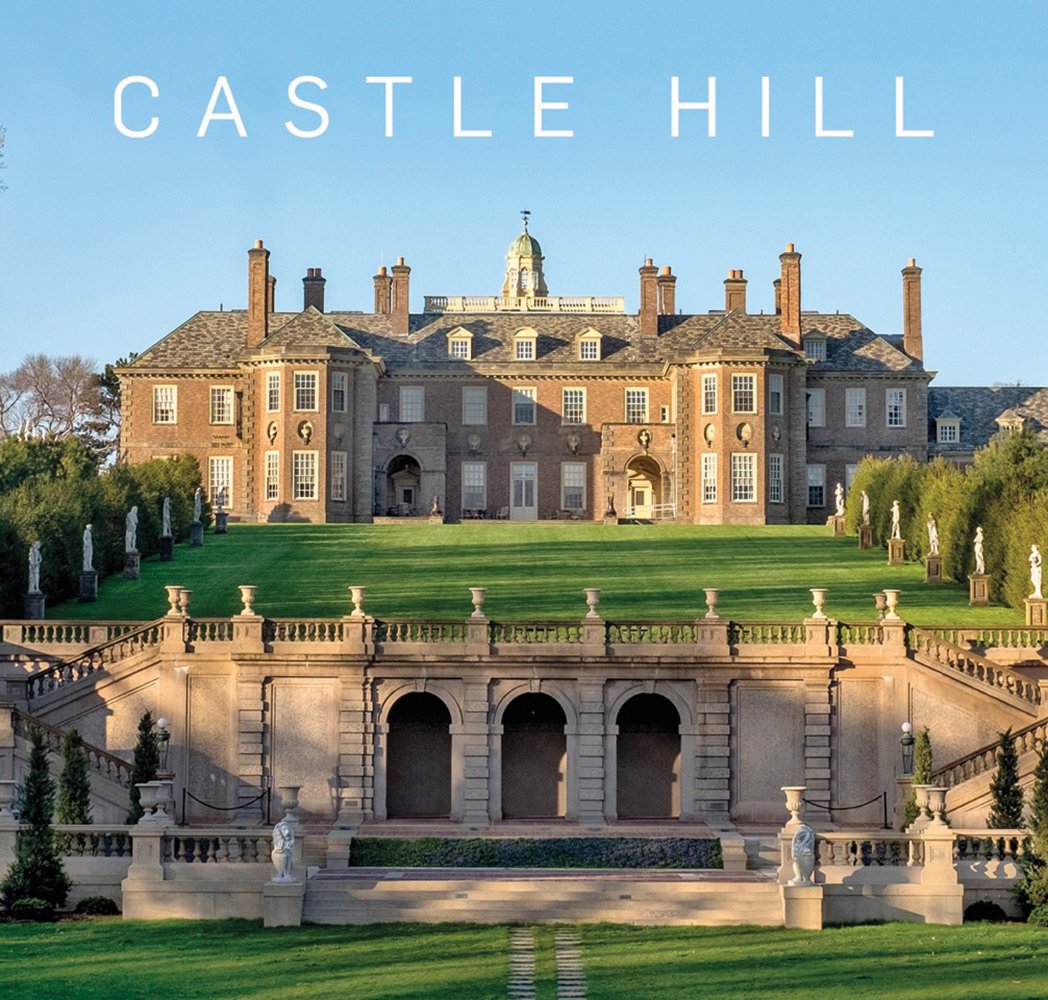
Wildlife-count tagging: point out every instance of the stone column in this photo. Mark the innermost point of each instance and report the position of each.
(355, 769)
(712, 785)
(591, 753)
(470, 748)
(817, 740)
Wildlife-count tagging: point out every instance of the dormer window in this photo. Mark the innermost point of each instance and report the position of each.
(460, 344)
(948, 428)
(589, 345)
(1011, 422)
(524, 346)
(815, 347)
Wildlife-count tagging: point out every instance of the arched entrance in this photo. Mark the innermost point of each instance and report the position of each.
(418, 758)
(643, 487)
(649, 758)
(402, 485)
(534, 758)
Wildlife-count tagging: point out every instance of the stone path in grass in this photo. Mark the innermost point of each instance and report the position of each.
(571, 980)
(521, 984)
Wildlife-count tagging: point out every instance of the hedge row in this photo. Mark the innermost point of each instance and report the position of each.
(562, 852)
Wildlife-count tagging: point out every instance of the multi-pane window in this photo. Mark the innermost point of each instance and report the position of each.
(165, 404)
(775, 395)
(272, 392)
(589, 349)
(338, 392)
(573, 410)
(573, 485)
(949, 431)
(338, 475)
(524, 349)
(816, 407)
(220, 479)
(474, 486)
(523, 406)
(895, 407)
(709, 393)
(304, 475)
(221, 405)
(775, 479)
(272, 475)
(412, 404)
(709, 477)
(664, 414)
(636, 406)
(816, 485)
(744, 393)
(305, 390)
(815, 348)
(474, 405)
(461, 348)
(743, 477)
(855, 407)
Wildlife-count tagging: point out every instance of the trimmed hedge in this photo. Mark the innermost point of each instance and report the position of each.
(97, 906)
(30, 908)
(561, 852)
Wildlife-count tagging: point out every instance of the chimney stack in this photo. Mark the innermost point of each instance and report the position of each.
(735, 291)
(399, 300)
(271, 294)
(258, 294)
(649, 299)
(912, 342)
(777, 283)
(667, 295)
(790, 295)
(383, 292)
(313, 289)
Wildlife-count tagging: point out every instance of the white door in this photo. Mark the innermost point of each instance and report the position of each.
(522, 493)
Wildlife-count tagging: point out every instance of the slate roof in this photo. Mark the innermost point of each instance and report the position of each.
(978, 408)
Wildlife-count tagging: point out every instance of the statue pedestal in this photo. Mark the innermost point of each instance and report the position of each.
(196, 534)
(436, 518)
(896, 551)
(802, 907)
(978, 589)
(282, 904)
(88, 586)
(34, 607)
(933, 569)
(132, 565)
(1036, 611)
(611, 518)
(836, 523)
(220, 522)
(865, 536)
(167, 548)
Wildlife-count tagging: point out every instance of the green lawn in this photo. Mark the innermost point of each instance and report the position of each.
(533, 571)
(113, 960)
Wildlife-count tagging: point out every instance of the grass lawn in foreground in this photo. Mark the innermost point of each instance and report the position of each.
(533, 571)
(113, 960)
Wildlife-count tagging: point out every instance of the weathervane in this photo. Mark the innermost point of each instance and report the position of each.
(524, 213)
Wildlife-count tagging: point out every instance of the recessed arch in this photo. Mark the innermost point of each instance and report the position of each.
(648, 758)
(418, 757)
(534, 758)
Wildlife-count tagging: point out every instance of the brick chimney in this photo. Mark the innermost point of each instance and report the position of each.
(777, 283)
(313, 289)
(912, 342)
(383, 292)
(735, 291)
(257, 294)
(649, 299)
(271, 294)
(790, 295)
(666, 283)
(399, 299)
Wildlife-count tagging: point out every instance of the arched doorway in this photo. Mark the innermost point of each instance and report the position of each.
(649, 758)
(534, 758)
(402, 485)
(643, 488)
(418, 758)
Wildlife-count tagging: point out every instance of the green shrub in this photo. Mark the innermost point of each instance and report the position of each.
(74, 783)
(983, 909)
(97, 906)
(31, 908)
(1039, 916)
(1006, 812)
(922, 773)
(145, 765)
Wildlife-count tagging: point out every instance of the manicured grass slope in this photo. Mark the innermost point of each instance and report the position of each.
(533, 571)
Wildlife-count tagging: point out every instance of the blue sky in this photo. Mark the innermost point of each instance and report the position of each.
(107, 243)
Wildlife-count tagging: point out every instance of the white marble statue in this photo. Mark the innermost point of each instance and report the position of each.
(283, 848)
(198, 500)
(802, 850)
(131, 530)
(220, 500)
(166, 530)
(1035, 571)
(980, 560)
(89, 551)
(896, 529)
(933, 536)
(34, 568)
(838, 496)
(865, 509)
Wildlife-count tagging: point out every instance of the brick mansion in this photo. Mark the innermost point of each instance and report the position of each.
(526, 405)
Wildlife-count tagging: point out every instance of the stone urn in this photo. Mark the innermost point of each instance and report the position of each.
(891, 598)
(247, 598)
(937, 805)
(921, 799)
(183, 601)
(592, 601)
(712, 593)
(477, 596)
(289, 801)
(172, 599)
(793, 801)
(881, 603)
(818, 598)
(149, 795)
(356, 595)
(7, 797)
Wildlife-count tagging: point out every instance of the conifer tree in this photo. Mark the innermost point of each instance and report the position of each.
(1039, 799)
(37, 872)
(1006, 812)
(74, 784)
(922, 773)
(145, 766)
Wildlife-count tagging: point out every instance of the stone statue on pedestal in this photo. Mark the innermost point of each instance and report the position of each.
(896, 529)
(838, 496)
(89, 551)
(933, 536)
(34, 568)
(283, 847)
(166, 529)
(198, 499)
(980, 561)
(434, 510)
(131, 530)
(865, 509)
(802, 850)
(1035, 571)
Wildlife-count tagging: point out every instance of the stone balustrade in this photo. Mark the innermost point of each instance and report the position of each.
(985, 758)
(998, 637)
(609, 305)
(56, 634)
(216, 846)
(91, 841)
(106, 764)
(864, 849)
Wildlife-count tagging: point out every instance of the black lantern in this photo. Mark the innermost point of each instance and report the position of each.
(163, 738)
(907, 741)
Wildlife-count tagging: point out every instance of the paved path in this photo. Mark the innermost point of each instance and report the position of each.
(571, 979)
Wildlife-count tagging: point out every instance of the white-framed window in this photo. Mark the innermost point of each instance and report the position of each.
(709, 477)
(221, 404)
(816, 485)
(573, 406)
(850, 472)
(815, 348)
(165, 404)
(272, 475)
(460, 344)
(338, 392)
(220, 478)
(775, 394)
(304, 475)
(589, 349)
(709, 393)
(948, 431)
(474, 405)
(744, 393)
(523, 406)
(855, 407)
(775, 479)
(664, 414)
(272, 392)
(636, 406)
(524, 347)
(573, 485)
(337, 462)
(743, 477)
(412, 404)
(305, 390)
(895, 407)
(816, 407)
(474, 485)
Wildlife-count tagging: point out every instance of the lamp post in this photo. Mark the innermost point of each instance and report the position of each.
(907, 741)
(163, 738)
